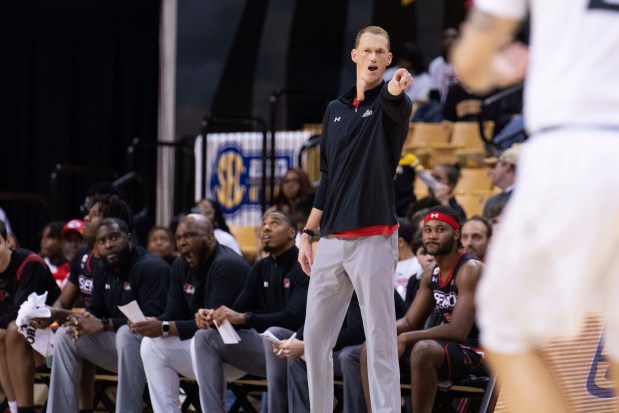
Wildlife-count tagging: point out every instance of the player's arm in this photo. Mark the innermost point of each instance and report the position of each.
(482, 58)
(420, 308)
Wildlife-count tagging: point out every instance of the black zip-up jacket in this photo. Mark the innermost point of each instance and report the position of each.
(15, 288)
(217, 282)
(359, 153)
(144, 279)
(275, 293)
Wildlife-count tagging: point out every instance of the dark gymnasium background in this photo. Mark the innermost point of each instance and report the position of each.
(80, 80)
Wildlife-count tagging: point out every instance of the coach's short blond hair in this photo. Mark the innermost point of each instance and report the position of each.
(373, 30)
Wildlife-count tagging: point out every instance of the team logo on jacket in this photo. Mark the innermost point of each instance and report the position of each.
(127, 286)
(86, 285)
(4, 294)
(286, 282)
(189, 289)
(367, 113)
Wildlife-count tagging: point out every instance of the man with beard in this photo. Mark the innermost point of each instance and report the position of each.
(101, 335)
(274, 296)
(446, 350)
(77, 292)
(207, 275)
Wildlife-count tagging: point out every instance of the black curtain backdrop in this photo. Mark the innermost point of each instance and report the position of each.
(78, 81)
(314, 57)
(234, 92)
(398, 20)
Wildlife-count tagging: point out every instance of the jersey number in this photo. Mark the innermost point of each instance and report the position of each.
(604, 4)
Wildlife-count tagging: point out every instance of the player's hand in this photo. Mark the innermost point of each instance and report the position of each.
(306, 255)
(224, 313)
(289, 349)
(204, 318)
(149, 328)
(40, 322)
(510, 64)
(401, 80)
(84, 325)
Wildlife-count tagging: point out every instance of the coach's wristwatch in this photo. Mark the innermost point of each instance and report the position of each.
(313, 236)
(165, 328)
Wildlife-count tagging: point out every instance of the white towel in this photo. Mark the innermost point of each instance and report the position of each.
(40, 339)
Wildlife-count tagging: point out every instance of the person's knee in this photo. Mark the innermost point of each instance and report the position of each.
(13, 336)
(62, 338)
(126, 339)
(427, 352)
(349, 359)
(204, 340)
(148, 349)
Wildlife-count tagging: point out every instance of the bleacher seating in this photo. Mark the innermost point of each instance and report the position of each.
(247, 238)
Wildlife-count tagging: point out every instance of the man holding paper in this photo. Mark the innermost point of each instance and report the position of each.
(275, 295)
(206, 275)
(100, 335)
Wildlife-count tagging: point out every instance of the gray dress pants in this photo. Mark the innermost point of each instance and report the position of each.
(365, 265)
(345, 367)
(117, 352)
(208, 355)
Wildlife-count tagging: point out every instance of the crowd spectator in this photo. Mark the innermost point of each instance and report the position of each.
(294, 185)
(441, 71)
(503, 173)
(476, 233)
(410, 57)
(426, 262)
(212, 210)
(51, 251)
(160, 241)
(407, 265)
(447, 176)
(72, 238)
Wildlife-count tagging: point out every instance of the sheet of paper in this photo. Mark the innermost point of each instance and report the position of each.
(269, 336)
(227, 332)
(133, 312)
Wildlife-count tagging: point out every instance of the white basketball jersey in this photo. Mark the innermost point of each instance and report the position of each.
(573, 75)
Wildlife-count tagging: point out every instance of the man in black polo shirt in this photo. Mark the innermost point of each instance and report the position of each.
(101, 336)
(275, 295)
(206, 275)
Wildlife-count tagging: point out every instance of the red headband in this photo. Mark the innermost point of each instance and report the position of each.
(442, 217)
